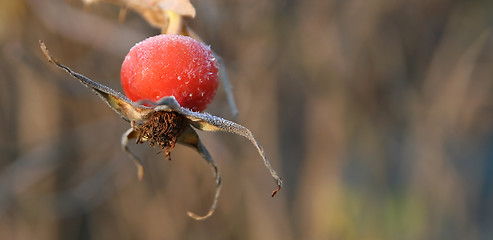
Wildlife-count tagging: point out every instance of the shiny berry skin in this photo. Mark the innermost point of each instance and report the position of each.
(171, 65)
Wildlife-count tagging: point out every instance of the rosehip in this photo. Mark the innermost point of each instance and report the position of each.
(171, 65)
(167, 123)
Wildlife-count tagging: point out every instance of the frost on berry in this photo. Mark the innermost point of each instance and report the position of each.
(165, 123)
(171, 65)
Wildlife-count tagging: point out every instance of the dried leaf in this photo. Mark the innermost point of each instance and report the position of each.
(156, 12)
(182, 7)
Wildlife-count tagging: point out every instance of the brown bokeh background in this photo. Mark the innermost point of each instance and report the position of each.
(377, 114)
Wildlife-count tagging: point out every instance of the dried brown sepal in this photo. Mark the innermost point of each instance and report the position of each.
(161, 129)
(190, 138)
(131, 134)
(117, 101)
(210, 123)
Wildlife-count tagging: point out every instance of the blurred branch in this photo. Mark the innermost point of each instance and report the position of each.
(25, 171)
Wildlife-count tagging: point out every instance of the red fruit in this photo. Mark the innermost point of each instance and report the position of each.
(171, 65)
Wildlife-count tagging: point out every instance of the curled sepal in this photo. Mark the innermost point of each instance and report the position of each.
(132, 134)
(207, 122)
(190, 138)
(117, 101)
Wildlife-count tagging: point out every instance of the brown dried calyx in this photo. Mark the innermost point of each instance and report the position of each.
(162, 128)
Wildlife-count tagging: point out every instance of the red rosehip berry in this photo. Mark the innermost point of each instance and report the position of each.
(171, 65)
(168, 123)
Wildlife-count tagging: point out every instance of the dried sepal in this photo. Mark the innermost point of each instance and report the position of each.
(132, 134)
(117, 101)
(210, 123)
(190, 138)
(207, 122)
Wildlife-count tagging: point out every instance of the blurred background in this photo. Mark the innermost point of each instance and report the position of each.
(377, 114)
